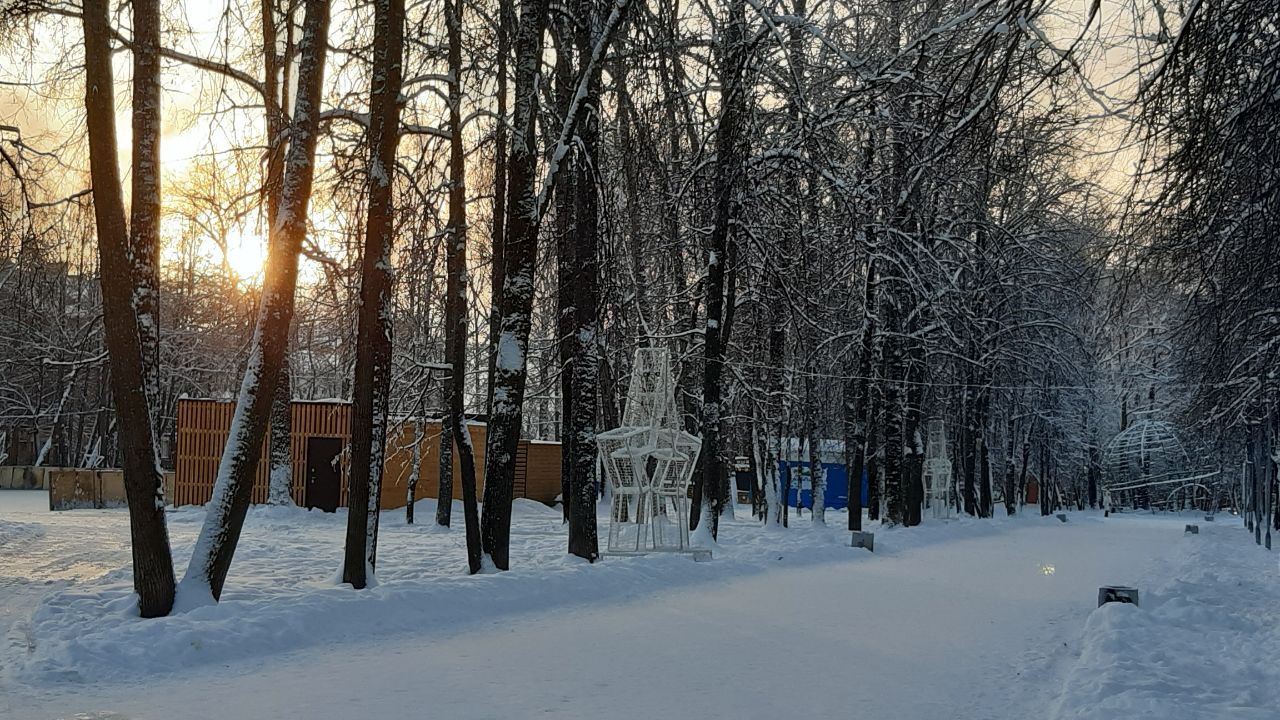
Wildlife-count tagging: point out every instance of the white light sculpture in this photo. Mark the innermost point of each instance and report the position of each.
(649, 462)
(937, 471)
(1139, 463)
(1148, 453)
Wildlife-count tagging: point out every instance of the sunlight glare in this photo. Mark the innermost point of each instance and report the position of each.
(246, 253)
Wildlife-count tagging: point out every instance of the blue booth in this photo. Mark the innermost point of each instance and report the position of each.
(837, 492)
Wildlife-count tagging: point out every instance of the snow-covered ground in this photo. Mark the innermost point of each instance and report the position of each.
(964, 619)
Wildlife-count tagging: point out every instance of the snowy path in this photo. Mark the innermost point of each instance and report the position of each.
(968, 620)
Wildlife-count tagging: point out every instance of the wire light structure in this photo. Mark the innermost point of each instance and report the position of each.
(937, 471)
(649, 462)
(1147, 454)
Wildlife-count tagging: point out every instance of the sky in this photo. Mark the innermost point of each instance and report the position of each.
(41, 93)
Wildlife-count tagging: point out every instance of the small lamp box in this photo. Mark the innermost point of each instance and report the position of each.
(1117, 593)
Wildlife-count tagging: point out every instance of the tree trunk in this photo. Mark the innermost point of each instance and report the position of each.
(281, 470)
(986, 504)
(144, 219)
(874, 456)
(817, 482)
(855, 449)
(759, 480)
(913, 453)
(894, 411)
(444, 488)
(1272, 460)
(515, 300)
(583, 540)
(874, 493)
(276, 117)
(411, 493)
(280, 477)
(153, 578)
(1095, 474)
(728, 171)
(777, 393)
(498, 231)
(857, 389)
(785, 500)
(565, 229)
(525, 208)
(1010, 486)
(772, 489)
(456, 296)
(369, 404)
(967, 454)
(1257, 476)
(524, 217)
(211, 558)
(981, 453)
(1044, 478)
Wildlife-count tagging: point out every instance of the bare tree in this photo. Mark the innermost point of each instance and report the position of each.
(526, 205)
(720, 255)
(519, 253)
(370, 402)
(153, 578)
(581, 441)
(454, 425)
(211, 557)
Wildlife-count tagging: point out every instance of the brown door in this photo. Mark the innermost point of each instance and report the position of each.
(324, 476)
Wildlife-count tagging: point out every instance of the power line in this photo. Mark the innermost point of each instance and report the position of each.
(959, 386)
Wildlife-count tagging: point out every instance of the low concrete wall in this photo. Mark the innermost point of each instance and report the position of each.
(80, 489)
(26, 477)
(72, 489)
(75, 489)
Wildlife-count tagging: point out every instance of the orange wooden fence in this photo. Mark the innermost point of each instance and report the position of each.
(203, 427)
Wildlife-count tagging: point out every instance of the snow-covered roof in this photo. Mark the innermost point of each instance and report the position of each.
(797, 450)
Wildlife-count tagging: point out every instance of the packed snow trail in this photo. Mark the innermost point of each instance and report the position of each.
(969, 619)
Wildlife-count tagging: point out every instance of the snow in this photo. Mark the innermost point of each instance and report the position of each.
(510, 356)
(194, 589)
(959, 619)
(1202, 644)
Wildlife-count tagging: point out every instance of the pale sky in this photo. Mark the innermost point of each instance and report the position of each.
(50, 114)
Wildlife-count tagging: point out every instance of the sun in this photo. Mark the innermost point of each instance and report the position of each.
(246, 253)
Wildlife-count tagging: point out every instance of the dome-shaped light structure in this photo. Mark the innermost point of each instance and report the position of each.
(1149, 452)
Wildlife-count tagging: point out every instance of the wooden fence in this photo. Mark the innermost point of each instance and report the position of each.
(203, 427)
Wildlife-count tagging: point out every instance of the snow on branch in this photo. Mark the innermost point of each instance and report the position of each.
(565, 140)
